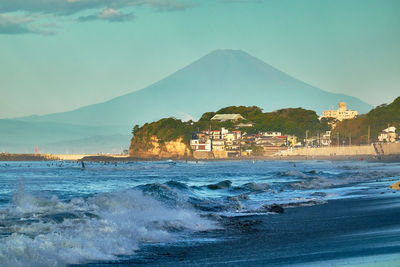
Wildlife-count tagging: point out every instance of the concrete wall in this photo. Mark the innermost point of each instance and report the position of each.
(71, 156)
(389, 149)
(272, 150)
(203, 155)
(220, 154)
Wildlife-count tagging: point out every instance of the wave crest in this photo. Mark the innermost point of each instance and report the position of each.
(101, 227)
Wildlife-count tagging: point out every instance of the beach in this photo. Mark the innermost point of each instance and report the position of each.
(185, 213)
(338, 233)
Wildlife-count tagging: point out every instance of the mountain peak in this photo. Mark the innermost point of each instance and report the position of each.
(219, 53)
(228, 51)
(224, 77)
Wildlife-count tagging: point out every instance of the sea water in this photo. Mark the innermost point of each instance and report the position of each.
(57, 213)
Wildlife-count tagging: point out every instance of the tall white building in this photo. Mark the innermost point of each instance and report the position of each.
(340, 114)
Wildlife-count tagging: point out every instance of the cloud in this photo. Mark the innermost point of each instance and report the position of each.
(18, 24)
(185, 116)
(162, 6)
(109, 14)
(108, 10)
(241, 1)
(68, 7)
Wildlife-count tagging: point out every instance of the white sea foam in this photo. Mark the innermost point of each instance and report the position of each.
(49, 232)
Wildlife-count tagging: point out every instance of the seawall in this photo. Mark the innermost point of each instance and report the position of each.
(363, 150)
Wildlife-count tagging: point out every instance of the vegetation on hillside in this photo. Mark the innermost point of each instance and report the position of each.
(376, 120)
(168, 129)
(291, 121)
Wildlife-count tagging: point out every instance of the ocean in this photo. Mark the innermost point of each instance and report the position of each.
(56, 213)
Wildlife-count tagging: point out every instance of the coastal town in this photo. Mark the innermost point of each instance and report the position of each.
(224, 143)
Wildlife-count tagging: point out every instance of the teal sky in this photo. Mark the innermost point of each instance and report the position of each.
(62, 54)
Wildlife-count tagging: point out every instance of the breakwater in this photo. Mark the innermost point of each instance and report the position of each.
(69, 157)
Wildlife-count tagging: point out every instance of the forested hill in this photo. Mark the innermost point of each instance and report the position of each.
(377, 119)
(291, 121)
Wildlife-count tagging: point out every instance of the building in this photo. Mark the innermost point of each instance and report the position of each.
(291, 141)
(233, 136)
(325, 139)
(227, 117)
(340, 114)
(215, 134)
(270, 134)
(200, 144)
(267, 141)
(388, 135)
(218, 145)
(225, 144)
(199, 135)
(244, 125)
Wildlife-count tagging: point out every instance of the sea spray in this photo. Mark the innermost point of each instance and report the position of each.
(101, 227)
(63, 215)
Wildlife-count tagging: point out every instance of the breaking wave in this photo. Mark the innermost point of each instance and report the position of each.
(165, 202)
(49, 232)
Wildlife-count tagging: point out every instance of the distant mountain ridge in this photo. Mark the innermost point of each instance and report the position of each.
(221, 78)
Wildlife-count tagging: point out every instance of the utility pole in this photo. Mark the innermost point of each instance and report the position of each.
(319, 138)
(350, 139)
(338, 141)
(240, 145)
(369, 133)
(306, 138)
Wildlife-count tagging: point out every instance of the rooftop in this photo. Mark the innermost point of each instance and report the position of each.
(226, 117)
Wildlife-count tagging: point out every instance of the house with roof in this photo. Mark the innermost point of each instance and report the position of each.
(227, 117)
(200, 145)
(388, 135)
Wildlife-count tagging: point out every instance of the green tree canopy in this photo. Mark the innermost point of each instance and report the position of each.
(376, 120)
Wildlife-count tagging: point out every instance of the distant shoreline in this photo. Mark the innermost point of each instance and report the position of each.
(126, 158)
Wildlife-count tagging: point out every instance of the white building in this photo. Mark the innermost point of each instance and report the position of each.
(340, 114)
(200, 145)
(227, 117)
(326, 139)
(388, 135)
(271, 134)
(233, 136)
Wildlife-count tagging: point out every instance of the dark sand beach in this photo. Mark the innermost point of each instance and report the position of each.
(340, 232)
(206, 213)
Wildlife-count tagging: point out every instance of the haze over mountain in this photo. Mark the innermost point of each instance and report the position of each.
(221, 78)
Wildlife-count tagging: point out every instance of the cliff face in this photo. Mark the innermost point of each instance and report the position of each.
(152, 148)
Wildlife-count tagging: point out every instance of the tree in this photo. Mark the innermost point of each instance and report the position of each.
(135, 129)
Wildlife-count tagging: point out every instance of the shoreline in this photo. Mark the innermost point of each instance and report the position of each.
(356, 213)
(337, 233)
(125, 158)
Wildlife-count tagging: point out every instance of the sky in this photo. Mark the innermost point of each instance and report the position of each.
(63, 54)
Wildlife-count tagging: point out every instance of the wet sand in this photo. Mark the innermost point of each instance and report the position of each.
(362, 230)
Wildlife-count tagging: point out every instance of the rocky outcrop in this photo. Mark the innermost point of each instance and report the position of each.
(154, 148)
(275, 208)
